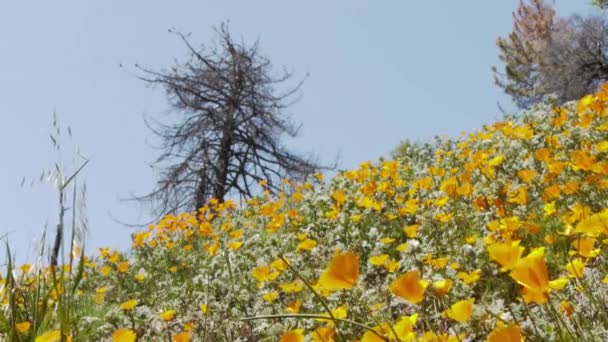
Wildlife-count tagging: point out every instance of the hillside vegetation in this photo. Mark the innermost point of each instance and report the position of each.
(499, 235)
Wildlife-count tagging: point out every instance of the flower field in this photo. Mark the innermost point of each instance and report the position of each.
(500, 235)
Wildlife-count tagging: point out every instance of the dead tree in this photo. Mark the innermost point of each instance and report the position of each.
(227, 120)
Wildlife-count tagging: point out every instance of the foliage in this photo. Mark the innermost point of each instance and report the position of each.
(498, 235)
(534, 24)
(549, 56)
(412, 151)
(603, 4)
(49, 295)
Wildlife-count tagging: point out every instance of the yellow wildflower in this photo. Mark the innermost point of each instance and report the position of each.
(295, 286)
(531, 272)
(105, 270)
(296, 335)
(409, 287)
(183, 336)
(340, 312)
(378, 260)
(129, 305)
(235, 245)
(442, 287)
(49, 336)
(264, 273)
(323, 334)
(575, 268)
(23, 327)
(566, 308)
(342, 272)
(508, 333)
(124, 335)
(387, 240)
(339, 196)
(461, 311)
(506, 254)
(469, 277)
(167, 315)
(306, 245)
(123, 267)
(293, 307)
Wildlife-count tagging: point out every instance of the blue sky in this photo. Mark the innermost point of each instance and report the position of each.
(380, 72)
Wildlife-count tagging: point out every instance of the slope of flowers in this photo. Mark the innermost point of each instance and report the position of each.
(499, 235)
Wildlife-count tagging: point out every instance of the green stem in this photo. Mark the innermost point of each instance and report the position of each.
(318, 296)
(527, 312)
(559, 318)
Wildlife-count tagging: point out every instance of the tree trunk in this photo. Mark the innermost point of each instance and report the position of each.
(223, 160)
